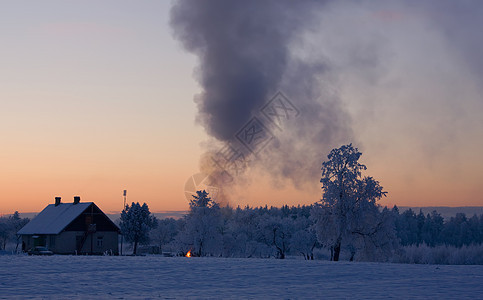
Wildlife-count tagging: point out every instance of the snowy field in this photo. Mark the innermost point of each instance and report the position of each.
(95, 277)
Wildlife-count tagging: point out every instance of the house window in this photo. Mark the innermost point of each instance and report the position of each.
(99, 241)
(52, 241)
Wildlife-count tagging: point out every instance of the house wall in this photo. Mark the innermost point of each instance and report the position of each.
(31, 242)
(100, 241)
(28, 240)
(66, 242)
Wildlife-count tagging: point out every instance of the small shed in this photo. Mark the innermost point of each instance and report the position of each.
(71, 228)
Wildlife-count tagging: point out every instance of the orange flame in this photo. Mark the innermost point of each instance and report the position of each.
(188, 254)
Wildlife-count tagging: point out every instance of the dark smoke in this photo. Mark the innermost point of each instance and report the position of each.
(410, 73)
(245, 51)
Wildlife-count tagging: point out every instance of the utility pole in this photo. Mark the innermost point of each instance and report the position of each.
(124, 194)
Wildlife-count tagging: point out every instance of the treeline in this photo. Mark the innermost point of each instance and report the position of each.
(277, 232)
(432, 230)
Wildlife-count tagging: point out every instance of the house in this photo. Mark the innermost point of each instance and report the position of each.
(71, 228)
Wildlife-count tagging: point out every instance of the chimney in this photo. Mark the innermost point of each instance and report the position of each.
(76, 199)
(57, 201)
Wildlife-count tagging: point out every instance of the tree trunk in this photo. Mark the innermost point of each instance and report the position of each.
(281, 251)
(353, 253)
(134, 251)
(200, 250)
(312, 251)
(337, 250)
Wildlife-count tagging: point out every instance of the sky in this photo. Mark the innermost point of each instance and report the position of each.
(100, 96)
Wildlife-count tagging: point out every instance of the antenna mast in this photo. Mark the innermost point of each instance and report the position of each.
(124, 194)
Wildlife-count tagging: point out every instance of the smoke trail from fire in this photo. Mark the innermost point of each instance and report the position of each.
(247, 52)
(352, 68)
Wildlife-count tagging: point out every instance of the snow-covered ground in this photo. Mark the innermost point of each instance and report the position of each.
(95, 277)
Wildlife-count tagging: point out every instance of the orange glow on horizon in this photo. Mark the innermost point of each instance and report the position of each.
(260, 191)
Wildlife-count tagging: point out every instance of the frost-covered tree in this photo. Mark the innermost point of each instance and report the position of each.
(16, 223)
(348, 212)
(304, 237)
(136, 223)
(244, 229)
(304, 241)
(377, 240)
(203, 232)
(9, 227)
(276, 232)
(165, 232)
(4, 232)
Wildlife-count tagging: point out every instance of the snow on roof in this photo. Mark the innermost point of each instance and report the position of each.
(53, 219)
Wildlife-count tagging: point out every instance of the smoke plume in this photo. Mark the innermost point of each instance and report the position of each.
(246, 54)
(383, 71)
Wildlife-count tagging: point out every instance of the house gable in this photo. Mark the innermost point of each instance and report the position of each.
(68, 216)
(92, 215)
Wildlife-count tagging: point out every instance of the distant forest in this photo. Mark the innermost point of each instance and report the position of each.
(431, 229)
(277, 232)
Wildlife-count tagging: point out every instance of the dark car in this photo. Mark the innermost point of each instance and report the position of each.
(40, 250)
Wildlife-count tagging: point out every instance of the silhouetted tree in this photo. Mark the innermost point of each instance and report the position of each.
(136, 223)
